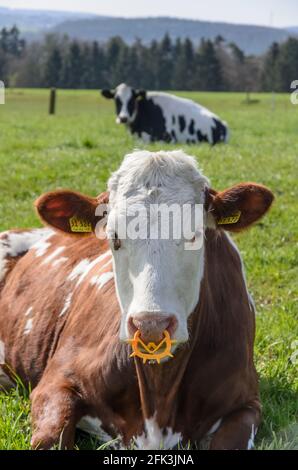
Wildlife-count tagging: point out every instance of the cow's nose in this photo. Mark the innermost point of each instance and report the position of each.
(123, 119)
(152, 326)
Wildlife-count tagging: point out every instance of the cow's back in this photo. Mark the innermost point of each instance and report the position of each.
(37, 296)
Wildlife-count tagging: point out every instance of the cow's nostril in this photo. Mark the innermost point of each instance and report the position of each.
(153, 326)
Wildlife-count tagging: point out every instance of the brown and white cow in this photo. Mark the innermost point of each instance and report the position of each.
(70, 301)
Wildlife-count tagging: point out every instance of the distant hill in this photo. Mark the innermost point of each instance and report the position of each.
(293, 29)
(35, 23)
(252, 39)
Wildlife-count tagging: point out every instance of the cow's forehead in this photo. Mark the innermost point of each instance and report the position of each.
(124, 92)
(144, 171)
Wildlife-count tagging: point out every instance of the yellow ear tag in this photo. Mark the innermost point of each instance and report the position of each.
(150, 352)
(79, 226)
(233, 219)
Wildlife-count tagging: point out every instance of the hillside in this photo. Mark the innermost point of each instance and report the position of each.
(252, 39)
(36, 21)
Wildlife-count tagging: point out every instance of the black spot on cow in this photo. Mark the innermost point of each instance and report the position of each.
(131, 104)
(182, 123)
(150, 119)
(118, 104)
(191, 128)
(219, 132)
(173, 120)
(174, 137)
(201, 137)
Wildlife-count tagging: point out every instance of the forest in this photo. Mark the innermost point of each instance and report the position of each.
(59, 61)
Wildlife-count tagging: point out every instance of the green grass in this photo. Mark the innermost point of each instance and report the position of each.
(80, 146)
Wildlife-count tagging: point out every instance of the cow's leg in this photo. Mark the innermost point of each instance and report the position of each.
(54, 415)
(237, 430)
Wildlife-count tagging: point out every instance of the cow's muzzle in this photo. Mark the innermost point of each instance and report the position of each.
(152, 326)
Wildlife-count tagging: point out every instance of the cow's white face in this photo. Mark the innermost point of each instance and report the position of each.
(126, 100)
(157, 280)
(126, 106)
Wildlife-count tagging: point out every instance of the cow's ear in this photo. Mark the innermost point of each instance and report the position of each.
(238, 207)
(140, 94)
(70, 211)
(109, 94)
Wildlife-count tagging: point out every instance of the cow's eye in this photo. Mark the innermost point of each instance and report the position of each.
(117, 242)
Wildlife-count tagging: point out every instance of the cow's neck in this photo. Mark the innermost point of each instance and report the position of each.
(159, 384)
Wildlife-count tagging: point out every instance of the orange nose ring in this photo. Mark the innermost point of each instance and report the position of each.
(150, 351)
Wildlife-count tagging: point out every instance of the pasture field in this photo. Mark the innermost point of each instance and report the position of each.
(80, 146)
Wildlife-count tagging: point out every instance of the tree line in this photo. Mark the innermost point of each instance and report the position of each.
(162, 65)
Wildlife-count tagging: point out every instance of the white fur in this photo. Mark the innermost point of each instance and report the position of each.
(66, 304)
(154, 438)
(84, 267)
(16, 243)
(53, 255)
(43, 244)
(124, 92)
(102, 279)
(29, 311)
(251, 440)
(59, 261)
(156, 276)
(93, 426)
(215, 427)
(28, 326)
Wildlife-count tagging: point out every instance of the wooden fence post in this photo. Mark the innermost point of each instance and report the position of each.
(52, 107)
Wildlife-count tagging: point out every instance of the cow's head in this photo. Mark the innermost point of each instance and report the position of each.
(158, 280)
(126, 100)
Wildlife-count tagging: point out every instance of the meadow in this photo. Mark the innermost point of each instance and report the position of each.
(81, 145)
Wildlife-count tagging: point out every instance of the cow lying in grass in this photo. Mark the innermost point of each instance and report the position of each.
(155, 116)
(70, 301)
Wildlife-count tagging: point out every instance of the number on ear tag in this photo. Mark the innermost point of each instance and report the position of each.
(232, 219)
(79, 225)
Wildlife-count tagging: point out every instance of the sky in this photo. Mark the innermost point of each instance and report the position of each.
(276, 13)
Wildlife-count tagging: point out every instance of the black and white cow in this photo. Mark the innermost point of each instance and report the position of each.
(157, 116)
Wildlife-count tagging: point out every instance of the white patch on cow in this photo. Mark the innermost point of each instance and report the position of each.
(66, 304)
(215, 427)
(102, 279)
(251, 440)
(204, 443)
(59, 261)
(176, 106)
(28, 326)
(29, 311)
(154, 438)
(124, 93)
(156, 276)
(53, 255)
(84, 267)
(4, 379)
(251, 303)
(13, 244)
(93, 426)
(42, 245)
